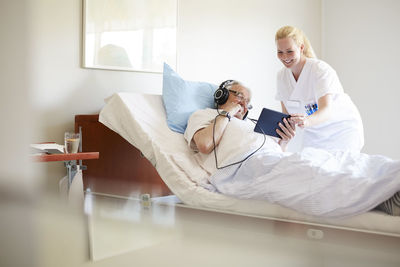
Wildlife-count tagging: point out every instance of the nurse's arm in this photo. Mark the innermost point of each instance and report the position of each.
(323, 113)
(284, 110)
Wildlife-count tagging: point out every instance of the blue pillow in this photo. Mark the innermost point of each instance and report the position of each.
(181, 98)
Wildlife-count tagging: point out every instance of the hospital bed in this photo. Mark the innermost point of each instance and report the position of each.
(136, 144)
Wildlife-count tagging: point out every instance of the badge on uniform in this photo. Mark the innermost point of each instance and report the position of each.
(311, 108)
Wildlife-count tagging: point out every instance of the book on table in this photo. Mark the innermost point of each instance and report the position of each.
(46, 148)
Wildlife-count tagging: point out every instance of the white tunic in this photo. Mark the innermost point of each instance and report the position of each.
(345, 130)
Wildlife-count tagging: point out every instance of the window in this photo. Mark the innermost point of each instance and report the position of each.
(137, 35)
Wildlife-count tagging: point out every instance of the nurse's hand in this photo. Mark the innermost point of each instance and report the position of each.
(287, 131)
(299, 119)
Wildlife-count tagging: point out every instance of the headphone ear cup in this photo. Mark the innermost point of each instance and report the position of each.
(221, 96)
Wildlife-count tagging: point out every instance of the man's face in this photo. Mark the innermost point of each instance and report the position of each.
(240, 95)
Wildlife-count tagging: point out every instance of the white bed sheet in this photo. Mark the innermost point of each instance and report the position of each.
(141, 120)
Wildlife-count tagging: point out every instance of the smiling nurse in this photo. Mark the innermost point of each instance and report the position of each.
(310, 91)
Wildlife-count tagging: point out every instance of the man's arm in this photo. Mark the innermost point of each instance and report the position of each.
(204, 137)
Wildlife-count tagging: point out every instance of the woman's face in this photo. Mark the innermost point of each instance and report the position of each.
(289, 53)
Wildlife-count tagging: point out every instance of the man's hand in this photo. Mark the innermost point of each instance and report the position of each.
(234, 109)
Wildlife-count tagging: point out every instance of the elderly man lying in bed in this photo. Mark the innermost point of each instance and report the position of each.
(249, 165)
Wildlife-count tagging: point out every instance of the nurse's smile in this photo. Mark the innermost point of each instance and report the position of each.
(287, 62)
(288, 52)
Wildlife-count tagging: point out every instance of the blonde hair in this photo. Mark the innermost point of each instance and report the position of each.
(298, 37)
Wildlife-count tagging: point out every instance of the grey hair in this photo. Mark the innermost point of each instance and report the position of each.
(235, 82)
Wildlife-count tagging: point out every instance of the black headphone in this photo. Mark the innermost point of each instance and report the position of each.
(221, 95)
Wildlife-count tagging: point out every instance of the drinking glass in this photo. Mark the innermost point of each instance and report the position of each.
(71, 142)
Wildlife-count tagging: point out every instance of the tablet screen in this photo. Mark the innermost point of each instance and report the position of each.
(268, 122)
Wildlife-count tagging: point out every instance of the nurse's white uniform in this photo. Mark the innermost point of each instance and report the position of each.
(345, 130)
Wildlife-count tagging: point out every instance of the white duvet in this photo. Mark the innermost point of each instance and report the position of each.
(141, 120)
(314, 181)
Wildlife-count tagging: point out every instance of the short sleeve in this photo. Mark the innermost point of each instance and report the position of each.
(198, 120)
(327, 81)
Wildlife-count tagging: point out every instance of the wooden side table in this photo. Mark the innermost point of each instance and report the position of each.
(70, 161)
(65, 157)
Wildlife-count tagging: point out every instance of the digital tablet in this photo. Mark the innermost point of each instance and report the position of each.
(269, 121)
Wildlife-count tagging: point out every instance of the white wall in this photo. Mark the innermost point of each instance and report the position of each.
(17, 187)
(14, 98)
(217, 40)
(234, 39)
(361, 41)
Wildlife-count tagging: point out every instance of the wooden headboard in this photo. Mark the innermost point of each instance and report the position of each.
(121, 169)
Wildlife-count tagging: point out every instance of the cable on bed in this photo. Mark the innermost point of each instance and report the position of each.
(248, 156)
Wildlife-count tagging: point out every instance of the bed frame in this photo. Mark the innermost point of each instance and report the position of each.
(121, 168)
(123, 171)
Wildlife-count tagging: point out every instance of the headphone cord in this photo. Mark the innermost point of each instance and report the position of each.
(238, 162)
